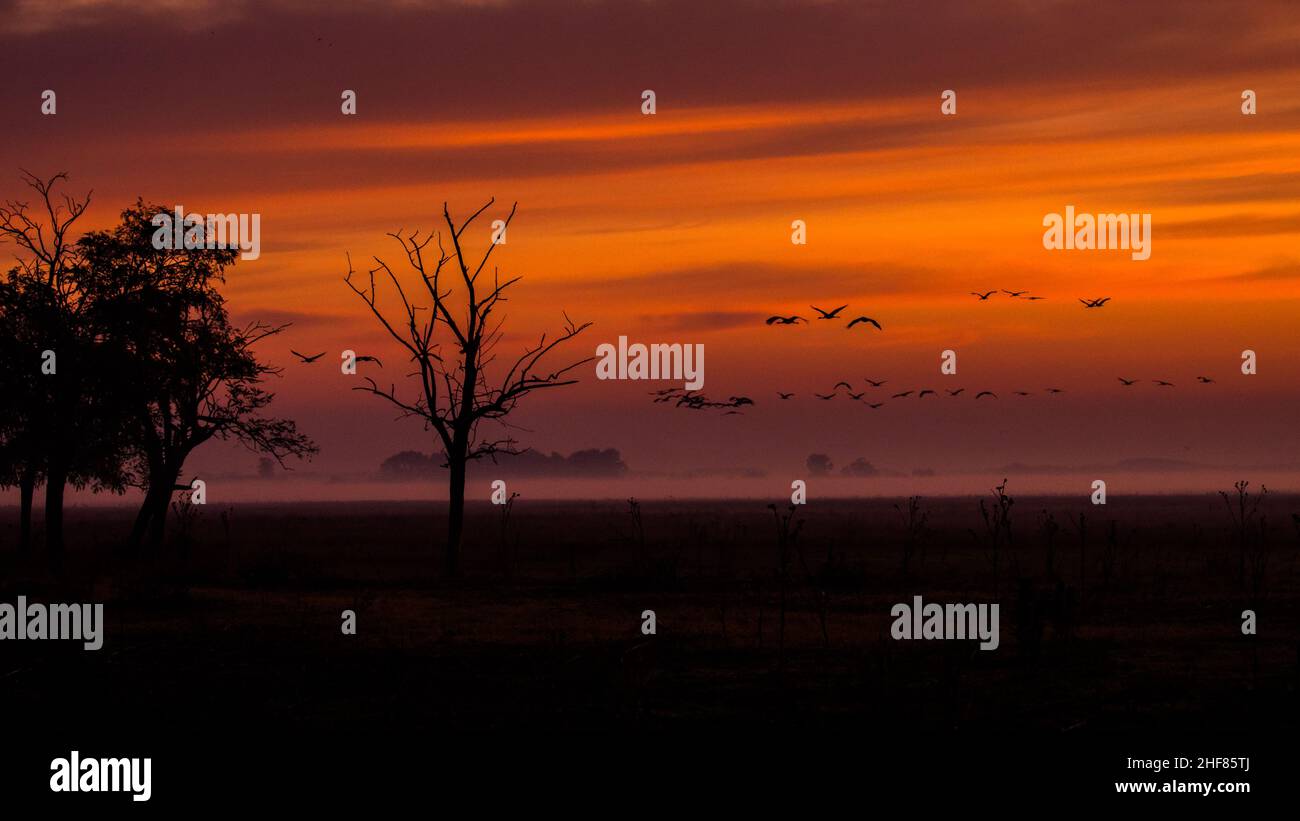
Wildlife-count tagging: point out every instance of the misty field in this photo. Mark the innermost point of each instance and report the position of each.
(1126, 619)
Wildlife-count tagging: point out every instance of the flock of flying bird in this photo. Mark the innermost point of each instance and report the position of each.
(795, 319)
(1087, 303)
(921, 394)
(307, 360)
(694, 400)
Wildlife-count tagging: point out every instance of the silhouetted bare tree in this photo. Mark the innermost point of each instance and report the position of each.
(455, 393)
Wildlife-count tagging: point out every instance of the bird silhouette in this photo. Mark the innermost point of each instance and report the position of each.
(1204, 380)
(827, 314)
(986, 393)
(1095, 303)
(925, 393)
(1031, 298)
(856, 396)
(874, 405)
(1163, 383)
(665, 395)
(784, 395)
(1013, 293)
(698, 401)
(1126, 382)
(305, 358)
(1022, 393)
(374, 359)
(901, 395)
(984, 297)
(868, 320)
(784, 320)
(846, 385)
(874, 383)
(956, 392)
(1055, 390)
(823, 396)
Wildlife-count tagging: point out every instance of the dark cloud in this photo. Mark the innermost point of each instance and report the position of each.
(425, 60)
(279, 316)
(783, 283)
(1263, 187)
(1237, 225)
(1278, 272)
(696, 321)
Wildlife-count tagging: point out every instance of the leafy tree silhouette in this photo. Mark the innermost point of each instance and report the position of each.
(22, 451)
(53, 427)
(184, 374)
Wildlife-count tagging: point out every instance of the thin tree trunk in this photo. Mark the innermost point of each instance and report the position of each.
(27, 492)
(144, 517)
(151, 519)
(165, 486)
(54, 486)
(141, 525)
(455, 515)
(158, 521)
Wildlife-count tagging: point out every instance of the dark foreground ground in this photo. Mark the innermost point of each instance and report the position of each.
(1125, 625)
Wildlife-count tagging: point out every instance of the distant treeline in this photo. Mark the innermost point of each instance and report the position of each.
(593, 463)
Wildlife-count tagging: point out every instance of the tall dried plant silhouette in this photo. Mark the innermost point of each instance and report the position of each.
(1110, 554)
(638, 532)
(508, 538)
(914, 531)
(1245, 518)
(787, 537)
(1050, 529)
(1295, 523)
(452, 348)
(1081, 527)
(996, 535)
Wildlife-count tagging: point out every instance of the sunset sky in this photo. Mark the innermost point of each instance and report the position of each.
(676, 227)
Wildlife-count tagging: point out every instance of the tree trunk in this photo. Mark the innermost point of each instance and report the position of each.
(141, 525)
(144, 517)
(158, 521)
(54, 484)
(27, 491)
(151, 520)
(455, 514)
